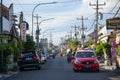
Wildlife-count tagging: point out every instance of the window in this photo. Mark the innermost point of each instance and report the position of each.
(85, 54)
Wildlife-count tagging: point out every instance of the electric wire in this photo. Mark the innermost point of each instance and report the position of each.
(90, 27)
(69, 1)
(56, 2)
(114, 6)
(110, 12)
(117, 12)
(90, 23)
(21, 7)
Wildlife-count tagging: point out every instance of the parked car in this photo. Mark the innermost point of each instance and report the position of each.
(85, 60)
(29, 59)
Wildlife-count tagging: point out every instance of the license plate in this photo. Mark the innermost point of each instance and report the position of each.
(28, 58)
(87, 66)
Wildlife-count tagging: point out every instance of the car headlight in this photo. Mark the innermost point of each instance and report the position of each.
(77, 61)
(96, 61)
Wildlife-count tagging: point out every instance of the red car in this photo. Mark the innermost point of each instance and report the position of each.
(86, 60)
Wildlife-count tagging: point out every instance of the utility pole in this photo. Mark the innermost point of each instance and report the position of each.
(37, 32)
(83, 29)
(20, 21)
(70, 34)
(97, 17)
(1, 32)
(50, 37)
(75, 27)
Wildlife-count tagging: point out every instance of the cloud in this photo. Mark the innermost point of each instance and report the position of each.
(68, 18)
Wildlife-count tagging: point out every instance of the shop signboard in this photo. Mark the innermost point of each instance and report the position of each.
(113, 23)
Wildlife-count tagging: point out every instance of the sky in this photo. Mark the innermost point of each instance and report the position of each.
(65, 14)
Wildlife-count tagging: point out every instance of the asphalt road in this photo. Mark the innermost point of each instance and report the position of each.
(59, 69)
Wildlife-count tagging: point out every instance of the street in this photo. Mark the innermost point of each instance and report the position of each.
(59, 69)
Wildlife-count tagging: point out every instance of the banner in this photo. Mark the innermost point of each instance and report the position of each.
(23, 31)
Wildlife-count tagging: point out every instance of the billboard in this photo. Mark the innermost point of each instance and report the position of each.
(113, 23)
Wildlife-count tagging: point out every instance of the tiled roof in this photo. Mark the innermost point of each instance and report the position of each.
(5, 12)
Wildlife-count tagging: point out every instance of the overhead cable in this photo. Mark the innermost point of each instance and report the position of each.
(57, 2)
(115, 6)
(90, 27)
(117, 12)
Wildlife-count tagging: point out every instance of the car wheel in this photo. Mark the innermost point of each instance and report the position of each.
(21, 69)
(39, 67)
(98, 70)
(75, 70)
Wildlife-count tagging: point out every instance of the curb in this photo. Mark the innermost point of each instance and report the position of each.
(7, 75)
(112, 68)
(107, 68)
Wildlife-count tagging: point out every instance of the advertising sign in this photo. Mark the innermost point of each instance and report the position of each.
(113, 23)
(23, 31)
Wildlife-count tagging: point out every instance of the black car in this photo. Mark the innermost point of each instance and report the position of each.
(29, 59)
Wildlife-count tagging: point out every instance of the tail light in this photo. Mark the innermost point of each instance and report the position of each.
(36, 57)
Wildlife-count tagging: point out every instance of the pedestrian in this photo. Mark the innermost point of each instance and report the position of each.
(69, 55)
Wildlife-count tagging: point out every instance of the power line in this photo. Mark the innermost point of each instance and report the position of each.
(115, 6)
(96, 27)
(91, 26)
(57, 2)
(75, 27)
(83, 29)
(117, 12)
(21, 6)
(69, 1)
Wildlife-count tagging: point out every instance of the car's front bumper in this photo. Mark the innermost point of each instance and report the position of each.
(88, 67)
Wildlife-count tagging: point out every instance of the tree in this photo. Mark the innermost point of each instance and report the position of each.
(74, 43)
(89, 43)
(118, 50)
(99, 50)
(29, 44)
(106, 49)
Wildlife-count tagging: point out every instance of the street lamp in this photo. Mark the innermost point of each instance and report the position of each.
(38, 30)
(34, 10)
(46, 31)
(45, 20)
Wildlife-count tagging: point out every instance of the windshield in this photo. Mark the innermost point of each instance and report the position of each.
(25, 54)
(85, 54)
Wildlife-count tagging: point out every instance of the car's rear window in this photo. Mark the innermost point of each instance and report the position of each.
(85, 54)
(24, 54)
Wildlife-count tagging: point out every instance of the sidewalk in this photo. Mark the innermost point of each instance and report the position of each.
(111, 68)
(3, 76)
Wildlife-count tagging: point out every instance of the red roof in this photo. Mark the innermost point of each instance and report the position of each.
(5, 12)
